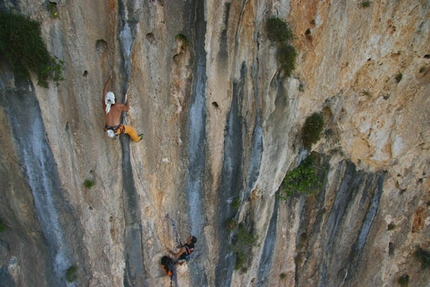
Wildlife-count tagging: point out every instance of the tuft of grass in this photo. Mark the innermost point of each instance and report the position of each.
(365, 4)
(71, 274)
(231, 224)
(235, 204)
(22, 47)
(88, 183)
(311, 131)
(422, 70)
(403, 280)
(283, 275)
(2, 227)
(399, 77)
(391, 226)
(287, 55)
(278, 31)
(366, 93)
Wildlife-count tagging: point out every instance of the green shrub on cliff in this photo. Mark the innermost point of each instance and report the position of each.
(302, 179)
(242, 248)
(287, 59)
(311, 131)
(88, 183)
(21, 46)
(279, 32)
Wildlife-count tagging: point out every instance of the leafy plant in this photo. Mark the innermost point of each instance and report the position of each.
(278, 30)
(302, 179)
(21, 45)
(311, 131)
(287, 55)
(422, 70)
(88, 183)
(283, 275)
(71, 274)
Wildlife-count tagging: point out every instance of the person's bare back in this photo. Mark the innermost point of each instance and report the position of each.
(113, 118)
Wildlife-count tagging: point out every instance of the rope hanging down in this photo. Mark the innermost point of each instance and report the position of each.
(175, 230)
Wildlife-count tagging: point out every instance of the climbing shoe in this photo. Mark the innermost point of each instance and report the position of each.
(140, 137)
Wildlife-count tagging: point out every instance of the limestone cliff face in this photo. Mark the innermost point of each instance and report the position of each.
(220, 123)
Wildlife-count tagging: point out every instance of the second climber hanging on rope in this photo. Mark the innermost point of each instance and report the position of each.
(113, 113)
(185, 250)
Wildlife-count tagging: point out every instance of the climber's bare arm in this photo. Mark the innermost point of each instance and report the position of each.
(179, 253)
(106, 88)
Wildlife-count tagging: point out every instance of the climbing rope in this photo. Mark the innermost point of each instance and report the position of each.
(175, 230)
(149, 200)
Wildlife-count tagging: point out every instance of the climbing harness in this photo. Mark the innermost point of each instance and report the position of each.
(112, 132)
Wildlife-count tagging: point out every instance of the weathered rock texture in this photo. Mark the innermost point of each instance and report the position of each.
(220, 123)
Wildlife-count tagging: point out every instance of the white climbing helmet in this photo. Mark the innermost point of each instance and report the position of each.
(109, 101)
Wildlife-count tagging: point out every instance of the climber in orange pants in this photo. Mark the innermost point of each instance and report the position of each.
(113, 111)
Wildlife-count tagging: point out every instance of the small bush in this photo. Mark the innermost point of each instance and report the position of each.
(283, 275)
(71, 274)
(235, 204)
(242, 248)
(423, 256)
(2, 227)
(88, 183)
(403, 280)
(21, 45)
(278, 31)
(311, 132)
(287, 55)
(422, 70)
(399, 77)
(302, 179)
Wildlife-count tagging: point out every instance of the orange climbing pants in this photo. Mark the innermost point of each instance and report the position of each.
(130, 131)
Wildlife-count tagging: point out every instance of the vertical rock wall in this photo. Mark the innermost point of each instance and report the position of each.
(221, 125)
